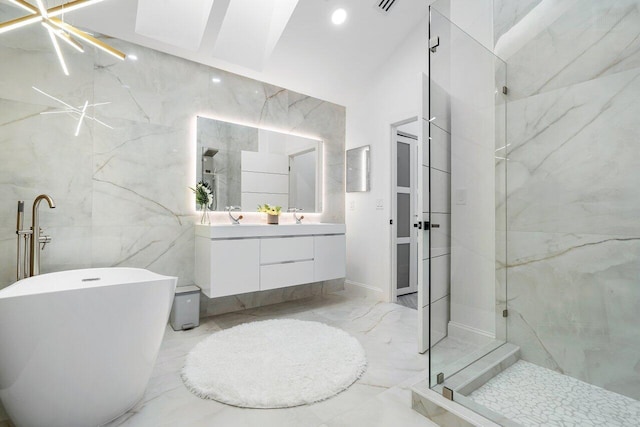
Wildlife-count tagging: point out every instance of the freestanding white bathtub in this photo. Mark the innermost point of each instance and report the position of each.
(77, 347)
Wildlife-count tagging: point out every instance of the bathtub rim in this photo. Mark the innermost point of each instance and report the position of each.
(41, 284)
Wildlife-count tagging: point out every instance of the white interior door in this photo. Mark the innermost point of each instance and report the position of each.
(406, 246)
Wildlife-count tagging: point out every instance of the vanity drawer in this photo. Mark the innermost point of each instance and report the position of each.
(283, 249)
(288, 274)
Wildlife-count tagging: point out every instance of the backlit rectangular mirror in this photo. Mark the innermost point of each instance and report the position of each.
(247, 166)
(358, 169)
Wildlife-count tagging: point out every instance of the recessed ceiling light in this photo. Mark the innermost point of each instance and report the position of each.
(339, 16)
(216, 80)
(132, 57)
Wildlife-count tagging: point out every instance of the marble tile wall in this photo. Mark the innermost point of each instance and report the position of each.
(122, 194)
(506, 14)
(573, 203)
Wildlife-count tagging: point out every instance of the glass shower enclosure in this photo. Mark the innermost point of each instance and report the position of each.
(467, 171)
(532, 239)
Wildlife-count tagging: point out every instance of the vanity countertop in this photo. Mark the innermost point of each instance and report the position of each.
(229, 231)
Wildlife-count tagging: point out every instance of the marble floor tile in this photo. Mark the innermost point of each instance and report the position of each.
(382, 397)
(381, 411)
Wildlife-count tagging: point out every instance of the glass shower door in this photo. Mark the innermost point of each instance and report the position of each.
(464, 185)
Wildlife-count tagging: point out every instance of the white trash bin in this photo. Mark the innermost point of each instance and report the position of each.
(185, 312)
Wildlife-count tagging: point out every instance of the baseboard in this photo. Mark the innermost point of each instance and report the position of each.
(469, 334)
(363, 290)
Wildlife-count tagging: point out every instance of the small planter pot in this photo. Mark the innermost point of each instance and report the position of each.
(272, 219)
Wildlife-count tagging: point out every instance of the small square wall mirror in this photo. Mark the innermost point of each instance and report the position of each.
(358, 169)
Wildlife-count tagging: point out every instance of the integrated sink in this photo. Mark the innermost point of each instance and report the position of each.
(228, 231)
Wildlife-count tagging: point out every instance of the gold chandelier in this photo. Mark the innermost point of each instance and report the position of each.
(57, 28)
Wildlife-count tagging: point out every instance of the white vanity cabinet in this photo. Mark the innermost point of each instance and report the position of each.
(327, 251)
(233, 260)
(229, 264)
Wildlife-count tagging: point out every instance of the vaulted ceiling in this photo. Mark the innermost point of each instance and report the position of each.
(289, 43)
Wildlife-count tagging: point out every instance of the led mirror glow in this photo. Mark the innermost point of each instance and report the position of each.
(358, 176)
(248, 166)
(339, 16)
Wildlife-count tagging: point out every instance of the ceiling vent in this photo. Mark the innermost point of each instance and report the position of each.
(384, 5)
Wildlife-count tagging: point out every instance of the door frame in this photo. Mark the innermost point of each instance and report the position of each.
(393, 131)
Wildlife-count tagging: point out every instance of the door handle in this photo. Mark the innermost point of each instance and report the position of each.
(418, 225)
(435, 225)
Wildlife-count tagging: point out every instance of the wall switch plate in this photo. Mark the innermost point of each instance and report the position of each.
(352, 205)
(379, 204)
(461, 196)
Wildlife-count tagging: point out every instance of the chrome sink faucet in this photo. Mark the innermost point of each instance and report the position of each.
(234, 220)
(295, 210)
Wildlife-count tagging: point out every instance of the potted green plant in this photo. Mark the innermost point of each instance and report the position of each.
(273, 212)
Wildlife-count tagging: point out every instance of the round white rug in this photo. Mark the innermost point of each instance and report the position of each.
(274, 364)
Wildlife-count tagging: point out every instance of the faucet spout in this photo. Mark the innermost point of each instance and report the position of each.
(34, 252)
(46, 197)
(234, 220)
(295, 215)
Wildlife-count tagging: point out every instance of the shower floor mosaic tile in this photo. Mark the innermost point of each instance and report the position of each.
(534, 396)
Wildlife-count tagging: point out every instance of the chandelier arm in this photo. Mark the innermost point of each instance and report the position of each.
(70, 41)
(84, 112)
(37, 15)
(99, 103)
(63, 35)
(58, 112)
(19, 22)
(26, 6)
(54, 98)
(42, 9)
(56, 47)
(71, 6)
(87, 38)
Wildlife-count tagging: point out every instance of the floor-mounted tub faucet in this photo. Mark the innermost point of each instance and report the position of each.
(234, 220)
(36, 237)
